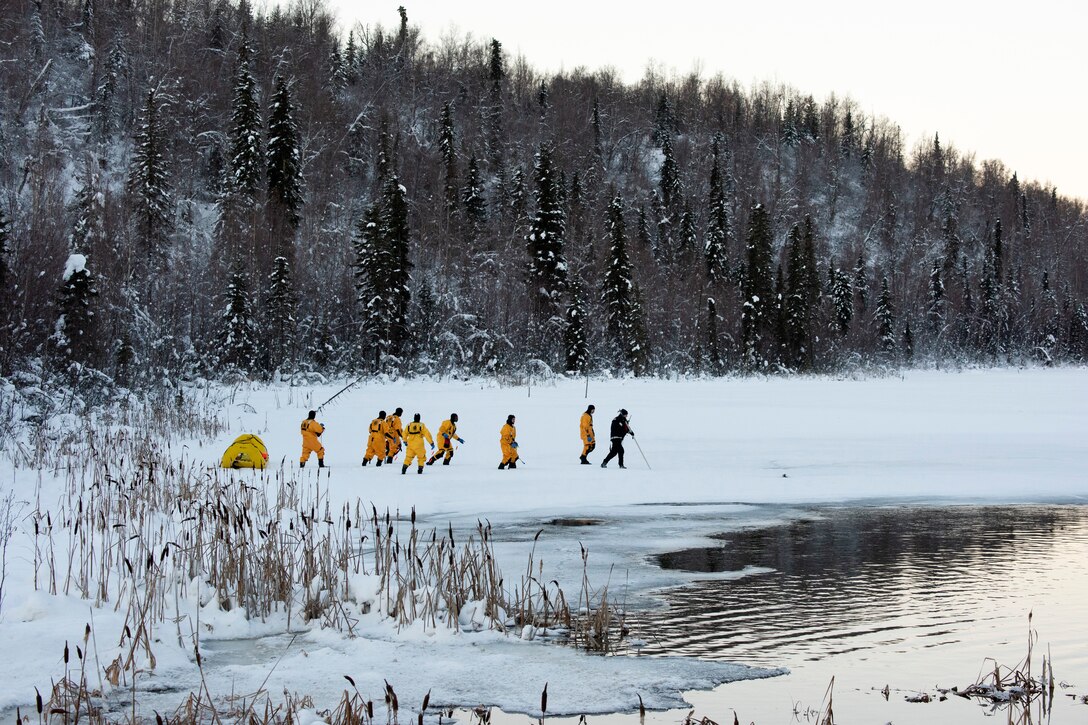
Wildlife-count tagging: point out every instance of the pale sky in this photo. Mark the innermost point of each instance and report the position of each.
(1003, 80)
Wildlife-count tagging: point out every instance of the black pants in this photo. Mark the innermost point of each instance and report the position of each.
(616, 450)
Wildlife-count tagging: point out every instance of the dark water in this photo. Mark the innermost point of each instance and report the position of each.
(913, 598)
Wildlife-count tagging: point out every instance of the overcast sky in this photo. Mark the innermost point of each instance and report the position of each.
(1004, 81)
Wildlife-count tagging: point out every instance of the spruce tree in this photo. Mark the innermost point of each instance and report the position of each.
(757, 319)
(799, 303)
(238, 346)
(396, 275)
(664, 122)
(861, 285)
(997, 254)
(575, 344)
(367, 270)
(885, 317)
(475, 205)
(908, 342)
(936, 309)
(88, 233)
(448, 147)
(497, 74)
(689, 236)
(281, 314)
(717, 231)
(246, 155)
(76, 332)
(149, 178)
(669, 179)
(842, 299)
(547, 268)
(623, 314)
(284, 156)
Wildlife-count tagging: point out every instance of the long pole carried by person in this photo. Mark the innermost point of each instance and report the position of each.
(635, 439)
(343, 390)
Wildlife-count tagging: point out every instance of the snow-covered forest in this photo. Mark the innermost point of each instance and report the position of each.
(201, 188)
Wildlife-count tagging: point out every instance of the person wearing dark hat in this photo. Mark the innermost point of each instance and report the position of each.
(393, 435)
(447, 434)
(311, 432)
(589, 441)
(509, 444)
(375, 445)
(619, 430)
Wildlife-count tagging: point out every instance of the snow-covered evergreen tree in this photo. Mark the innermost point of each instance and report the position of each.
(547, 271)
(715, 249)
(284, 155)
(475, 217)
(238, 335)
(396, 275)
(575, 344)
(935, 312)
(799, 302)
(713, 342)
(885, 317)
(149, 177)
(246, 146)
(281, 306)
(623, 313)
(75, 332)
(448, 148)
(757, 319)
(842, 299)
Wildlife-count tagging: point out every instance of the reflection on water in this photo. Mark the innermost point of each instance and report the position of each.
(892, 579)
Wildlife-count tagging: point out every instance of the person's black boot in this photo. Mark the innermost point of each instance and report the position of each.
(502, 466)
(379, 462)
(604, 465)
(445, 461)
(623, 466)
(513, 465)
(320, 462)
(430, 461)
(403, 469)
(366, 461)
(584, 461)
(302, 464)
(419, 470)
(389, 459)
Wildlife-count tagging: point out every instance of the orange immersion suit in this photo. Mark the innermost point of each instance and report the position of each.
(507, 440)
(414, 435)
(311, 429)
(375, 445)
(589, 441)
(447, 434)
(393, 434)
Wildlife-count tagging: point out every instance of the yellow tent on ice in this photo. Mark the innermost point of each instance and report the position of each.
(247, 451)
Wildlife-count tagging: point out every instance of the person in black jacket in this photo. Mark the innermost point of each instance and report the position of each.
(619, 430)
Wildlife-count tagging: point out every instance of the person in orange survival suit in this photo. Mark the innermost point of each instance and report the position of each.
(589, 441)
(414, 434)
(393, 435)
(509, 444)
(375, 445)
(447, 434)
(311, 430)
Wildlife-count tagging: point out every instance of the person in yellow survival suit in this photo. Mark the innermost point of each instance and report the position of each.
(311, 430)
(393, 435)
(589, 441)
(375, 444)
(414, 434)
(508, 442)
(447, 434)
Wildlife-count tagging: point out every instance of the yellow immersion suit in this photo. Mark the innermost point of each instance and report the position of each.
(507, 439)
(447, 434)
(375, 445)
(311, 429)
(393, 433)
(414, 434)
(589, 441)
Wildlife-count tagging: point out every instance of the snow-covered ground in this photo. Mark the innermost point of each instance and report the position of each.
(724, 453)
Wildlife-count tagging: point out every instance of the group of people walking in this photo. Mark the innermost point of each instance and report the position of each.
(388, 436)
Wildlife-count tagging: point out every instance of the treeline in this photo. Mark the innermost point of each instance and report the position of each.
(190, 188)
